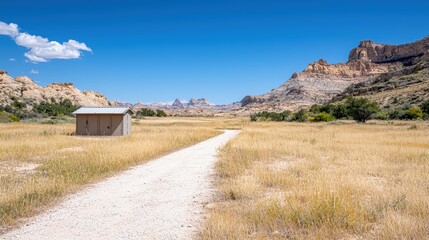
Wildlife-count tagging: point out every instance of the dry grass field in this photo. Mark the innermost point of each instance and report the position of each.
(323, 181)
(40, 163)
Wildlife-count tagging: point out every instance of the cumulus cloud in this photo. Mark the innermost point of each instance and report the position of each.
(40, 48)
(12, 59)
(8, 29)
(34, 71)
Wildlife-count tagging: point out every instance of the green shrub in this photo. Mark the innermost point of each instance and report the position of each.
(145, 112)
(14, 118)
(160, 113)
(300, 116)
(253, 117)
(323, 117)
(413, 113)
(396, 114)
(361, 109)
(381, 115)
(54, 108)
(271, 116)
(7, 117)
(340, 111)
(425, 107)
(315, 109)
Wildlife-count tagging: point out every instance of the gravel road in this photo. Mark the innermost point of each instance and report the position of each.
(162, 199)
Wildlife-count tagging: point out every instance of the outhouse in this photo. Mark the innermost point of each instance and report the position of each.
(103, 121)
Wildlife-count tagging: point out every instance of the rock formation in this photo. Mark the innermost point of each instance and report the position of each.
(27, 90)
(321, 81)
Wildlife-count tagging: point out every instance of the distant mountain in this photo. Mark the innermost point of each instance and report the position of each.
(26, 90)
(321, 81)
(194, 107)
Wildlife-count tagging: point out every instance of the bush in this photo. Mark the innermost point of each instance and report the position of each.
(381, 115)
(7, 117)
(425, 107)
(145, 112)
(271, 116)
(315, 109)
(413, 113)
(323, 117)
(340, 111)
(361, 109)
(300, 116)
(253, 117)
(396, 114)
(160, 113)
(54, 108)
(14, 118)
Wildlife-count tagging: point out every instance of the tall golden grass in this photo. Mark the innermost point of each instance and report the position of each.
(323, 181)
(63, 162)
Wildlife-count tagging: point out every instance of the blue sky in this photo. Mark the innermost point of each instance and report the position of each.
(156, 51)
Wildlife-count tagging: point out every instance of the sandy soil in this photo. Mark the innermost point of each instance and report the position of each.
(162, 199)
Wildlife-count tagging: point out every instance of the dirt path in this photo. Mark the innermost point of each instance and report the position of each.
(162, 199)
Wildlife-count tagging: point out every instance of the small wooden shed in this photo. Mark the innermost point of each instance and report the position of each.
(103, 121)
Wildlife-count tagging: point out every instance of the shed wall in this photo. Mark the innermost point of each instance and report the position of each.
(103, 124)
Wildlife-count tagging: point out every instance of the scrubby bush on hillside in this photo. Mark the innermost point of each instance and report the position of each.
(271, 116)
(7, 117)
(381, 115)
(54, 108)
(340, 111)
(160, 113)
(361, 109)
(425, 107)
(146, 112)
(322, 117)
(300, 116)
(413, 113)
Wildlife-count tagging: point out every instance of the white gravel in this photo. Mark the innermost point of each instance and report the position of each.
(162, 199)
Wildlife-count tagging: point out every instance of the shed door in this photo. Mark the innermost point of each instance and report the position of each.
(81, 121)
(105, 125)
(93, 125)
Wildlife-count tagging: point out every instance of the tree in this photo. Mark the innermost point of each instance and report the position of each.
(340, 111)
(160, 113)
(145, 112)
(361, 109)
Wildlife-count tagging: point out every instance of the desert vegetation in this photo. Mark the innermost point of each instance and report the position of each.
(282, 180)
(40, 163)
(146, 112)
(359, 109)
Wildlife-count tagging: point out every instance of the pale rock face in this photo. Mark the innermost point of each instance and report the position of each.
(25, 89)
(381, 53)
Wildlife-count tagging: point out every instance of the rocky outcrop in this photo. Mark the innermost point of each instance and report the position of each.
(178, 104)
(202, 102)
(320, 81)
(384, 53)
(409, 85)
(27, 90)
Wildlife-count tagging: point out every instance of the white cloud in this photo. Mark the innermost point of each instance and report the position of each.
(12, 59)
(34, 71)
(8, 29)
(41, 49)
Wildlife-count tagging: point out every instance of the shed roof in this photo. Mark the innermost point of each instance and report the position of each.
(102, 110)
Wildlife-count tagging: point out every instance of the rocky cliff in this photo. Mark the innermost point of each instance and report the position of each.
(27, 90)
(409, 85)
(321, 81)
